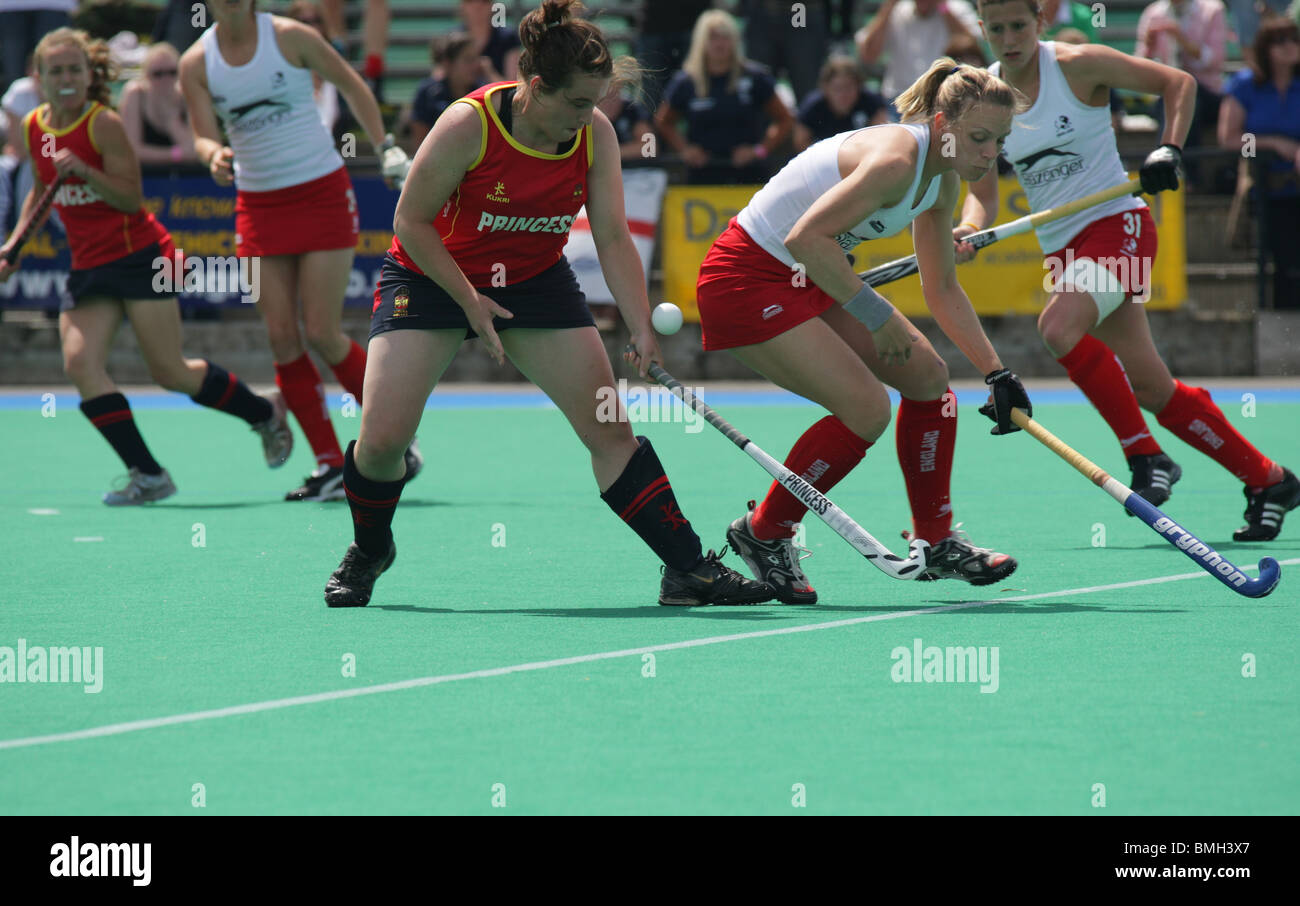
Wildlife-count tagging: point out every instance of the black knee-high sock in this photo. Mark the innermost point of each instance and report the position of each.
(373, 504)
(111, 414)
(223, 390)
(643, 498)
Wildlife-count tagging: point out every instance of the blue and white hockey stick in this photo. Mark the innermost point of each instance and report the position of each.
(1201, 553)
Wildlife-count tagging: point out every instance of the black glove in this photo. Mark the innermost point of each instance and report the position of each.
(1006, 391)
(1160, 169)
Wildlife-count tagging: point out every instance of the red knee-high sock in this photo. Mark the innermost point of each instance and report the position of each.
(823, 455)
(304, 394)
(1193, 416)
(925, 438)
(1097, 371)
(351, 372)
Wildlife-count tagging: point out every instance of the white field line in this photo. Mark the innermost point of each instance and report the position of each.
(154, 723)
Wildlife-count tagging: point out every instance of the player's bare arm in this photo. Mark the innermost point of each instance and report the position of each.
(879, 179)
(619, 260)
(211, 151)
(1093, 69)
(119, 182)
(944, 296)
(451, 148)
(302, 45)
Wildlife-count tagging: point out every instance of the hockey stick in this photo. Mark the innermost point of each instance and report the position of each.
(840, 521)
(903, 267)
(42, 205)
(1201, 553)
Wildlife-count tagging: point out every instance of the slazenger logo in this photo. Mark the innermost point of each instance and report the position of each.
(1060, 164)
(500, 223)
(76, 195)
(102, 860)
(1186, 541)
(807, 494)
(248, 118)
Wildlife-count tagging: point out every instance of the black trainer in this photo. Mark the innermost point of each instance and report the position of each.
(710, 583)
(1154, 476)
(354, 580)
(1265, 508)
(775, 562)
(956, 558)
(323, 484)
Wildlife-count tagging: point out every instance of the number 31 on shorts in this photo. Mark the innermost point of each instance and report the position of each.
(1133, 223)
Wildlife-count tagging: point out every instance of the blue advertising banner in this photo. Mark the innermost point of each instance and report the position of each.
(201, 218)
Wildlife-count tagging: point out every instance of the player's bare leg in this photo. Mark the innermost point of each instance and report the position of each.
(157, 326)
(573, 369)
(813, 361)
(297, 377)
(401, 371)
(925, 440)
(86, 333)
(323, 281)
(1270, 489)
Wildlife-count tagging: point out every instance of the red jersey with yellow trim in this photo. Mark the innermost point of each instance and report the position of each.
(515, 205)
(97, 232)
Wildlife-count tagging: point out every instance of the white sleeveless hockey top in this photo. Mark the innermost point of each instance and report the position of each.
(1063, 149)
(269, 114)
(775, 208)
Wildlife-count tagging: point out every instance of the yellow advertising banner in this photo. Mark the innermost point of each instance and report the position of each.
(1004, 279)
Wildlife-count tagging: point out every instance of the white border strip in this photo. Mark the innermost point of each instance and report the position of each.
(316, 698)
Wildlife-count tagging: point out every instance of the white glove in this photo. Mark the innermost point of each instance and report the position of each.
(393, 163)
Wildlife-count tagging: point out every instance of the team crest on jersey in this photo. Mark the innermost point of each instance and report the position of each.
(277, 80)
(498, 193)
(577, 190)
(1063, 126)
(1129, 246)
(401, 299)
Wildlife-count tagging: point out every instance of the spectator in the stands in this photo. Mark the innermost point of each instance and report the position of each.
(914, 32)
(456, 72)
(663, 37)
(841, 103)
(22, 97)
(1190, 35)
(497, 44)
(22, 25)
(1065, 14)
(1246, 18)
(179, 24)
(1261, 108)
(788, 40)
(323, 91)
(733, 115)
(632, 122)
(153, 110)
(965, 49)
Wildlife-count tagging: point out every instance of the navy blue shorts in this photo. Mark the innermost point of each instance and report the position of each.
(406, 300)
(130, 277)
